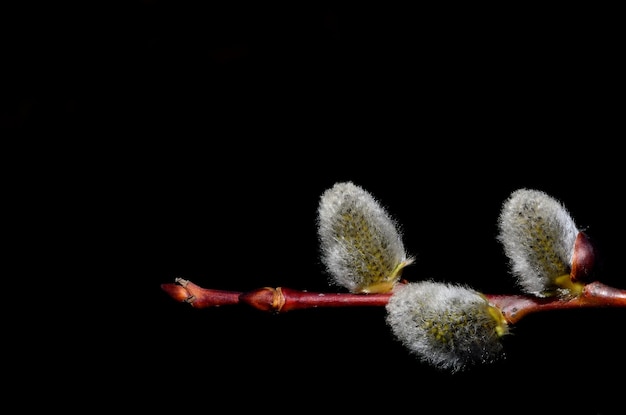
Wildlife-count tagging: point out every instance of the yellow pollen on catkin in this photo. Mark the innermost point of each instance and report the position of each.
(565, 282)
(502, 327)
(384, 284)
(377, 288)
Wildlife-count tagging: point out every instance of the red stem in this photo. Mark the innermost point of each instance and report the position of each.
(277, 300)
(286, 299)
(595, 294)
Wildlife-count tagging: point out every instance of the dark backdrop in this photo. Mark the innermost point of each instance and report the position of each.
(166, 139)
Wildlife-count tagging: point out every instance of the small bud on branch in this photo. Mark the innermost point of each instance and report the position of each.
(188, 292)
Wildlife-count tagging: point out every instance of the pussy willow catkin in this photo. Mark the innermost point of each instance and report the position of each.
(360, 243)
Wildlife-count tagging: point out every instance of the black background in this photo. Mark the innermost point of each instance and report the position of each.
(164, 139)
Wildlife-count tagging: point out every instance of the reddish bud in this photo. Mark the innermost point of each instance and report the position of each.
(583, 259)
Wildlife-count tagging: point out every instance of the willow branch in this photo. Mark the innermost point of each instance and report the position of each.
(281, 299)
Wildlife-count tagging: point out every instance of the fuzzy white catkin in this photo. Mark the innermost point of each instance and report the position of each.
(449, 326)
(538, 235)
(360, 243)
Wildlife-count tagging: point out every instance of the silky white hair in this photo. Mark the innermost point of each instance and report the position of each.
(538, 235)
(360, 243)
(449, 326)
